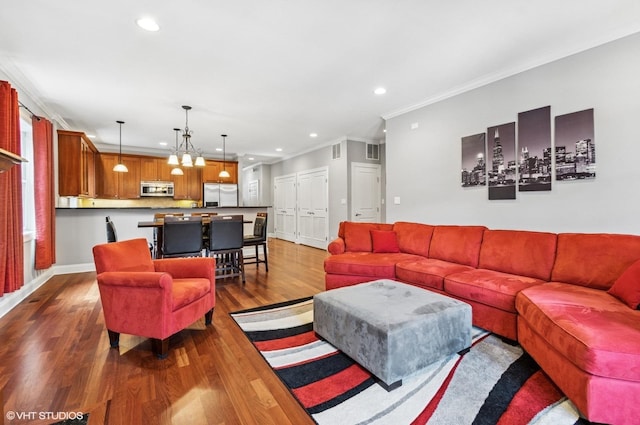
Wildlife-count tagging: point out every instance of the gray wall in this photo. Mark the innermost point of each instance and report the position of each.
(424, 164)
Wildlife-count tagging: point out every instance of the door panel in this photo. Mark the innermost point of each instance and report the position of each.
(313, 207)
(365, 192)
(285, 207)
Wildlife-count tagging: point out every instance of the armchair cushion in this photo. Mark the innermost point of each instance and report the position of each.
(186, 291)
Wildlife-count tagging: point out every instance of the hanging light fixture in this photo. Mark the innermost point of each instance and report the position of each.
(186, 147)
(120, 167)
(173, 159)
(224, 173)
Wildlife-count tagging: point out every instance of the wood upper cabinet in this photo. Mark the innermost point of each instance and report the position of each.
(154, 169)
(189, 185)
(212, 169)
(76, 164)
(112, 184)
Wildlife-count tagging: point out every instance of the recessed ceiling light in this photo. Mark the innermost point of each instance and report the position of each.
(148, 24)
(313, 135)
(380, 90)
(279, 150)
(384, 131)
(91, 136)
(218, 149)
(162, 143)
(251, 158)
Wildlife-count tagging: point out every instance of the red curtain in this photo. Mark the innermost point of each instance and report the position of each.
(44, 193)
(11, 243)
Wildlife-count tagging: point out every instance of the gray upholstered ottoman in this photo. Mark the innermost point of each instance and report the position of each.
(390, 328)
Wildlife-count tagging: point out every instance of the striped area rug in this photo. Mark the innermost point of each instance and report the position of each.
(494, 383)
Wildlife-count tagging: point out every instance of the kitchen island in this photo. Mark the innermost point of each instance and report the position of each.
(79, 229)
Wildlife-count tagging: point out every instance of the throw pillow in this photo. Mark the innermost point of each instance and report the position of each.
(384, 241)
(627, 287)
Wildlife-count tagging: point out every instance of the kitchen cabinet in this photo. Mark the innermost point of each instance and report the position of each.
(76, 164)
(118, 185)
(189, 185)
(154, 169)
(212, 169)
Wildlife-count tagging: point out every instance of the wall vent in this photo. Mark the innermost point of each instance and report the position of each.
(373, 152)
(335, 151)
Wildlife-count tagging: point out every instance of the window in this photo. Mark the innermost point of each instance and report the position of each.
(28, 205)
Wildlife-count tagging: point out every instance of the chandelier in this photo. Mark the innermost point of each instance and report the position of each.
(186, 148)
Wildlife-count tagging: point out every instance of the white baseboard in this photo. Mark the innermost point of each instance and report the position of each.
(12, 299)
(74, 268)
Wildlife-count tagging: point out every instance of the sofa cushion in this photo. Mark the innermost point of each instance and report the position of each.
(595, 260)
(366, 264)
(357, 236)
(427, 272)
(489, 287)
(590, 328)
(414, 238)
(384, 241)
(457, 244)
(627, 287)
(186, 291)
(518, 252)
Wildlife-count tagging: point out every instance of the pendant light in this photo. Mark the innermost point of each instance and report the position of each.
(120, 167)
(173, 159)
(224, 173)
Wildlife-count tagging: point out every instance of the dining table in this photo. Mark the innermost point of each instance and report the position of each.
(157, 226)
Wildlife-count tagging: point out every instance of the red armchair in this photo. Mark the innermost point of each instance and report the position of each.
(152, 298)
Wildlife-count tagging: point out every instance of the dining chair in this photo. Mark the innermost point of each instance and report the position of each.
(112, 235)
(225, 245)
(205, 228)
(181, 237)
(258, 239)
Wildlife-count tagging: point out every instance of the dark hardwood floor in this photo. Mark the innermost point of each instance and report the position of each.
(55, 355)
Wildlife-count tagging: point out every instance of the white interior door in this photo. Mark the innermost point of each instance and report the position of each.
(313, 201)
(284, 194)
(365, 192)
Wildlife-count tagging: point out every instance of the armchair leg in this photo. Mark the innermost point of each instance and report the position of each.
(160, 347)
(114, 338)
(208, 317)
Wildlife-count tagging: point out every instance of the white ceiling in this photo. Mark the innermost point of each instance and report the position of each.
(269, 73)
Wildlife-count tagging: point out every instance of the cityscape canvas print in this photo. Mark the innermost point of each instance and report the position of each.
(575, 146)
(502, 161)
(534, 146)
(474, 169)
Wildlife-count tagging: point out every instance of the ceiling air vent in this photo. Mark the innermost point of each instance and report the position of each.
(335, 151)
(373, 151)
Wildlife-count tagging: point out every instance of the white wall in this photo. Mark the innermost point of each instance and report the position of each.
(423, 165)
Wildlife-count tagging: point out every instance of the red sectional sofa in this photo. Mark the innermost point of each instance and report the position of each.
(570, 300)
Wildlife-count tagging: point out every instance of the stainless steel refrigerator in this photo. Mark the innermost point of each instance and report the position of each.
(220, 195)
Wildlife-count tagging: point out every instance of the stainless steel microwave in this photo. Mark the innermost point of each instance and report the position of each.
(156, 189)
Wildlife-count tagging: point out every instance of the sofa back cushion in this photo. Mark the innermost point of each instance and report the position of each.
(519, 252)
(357, 236)
(457, 244)
(595, 260)
(414, 238)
